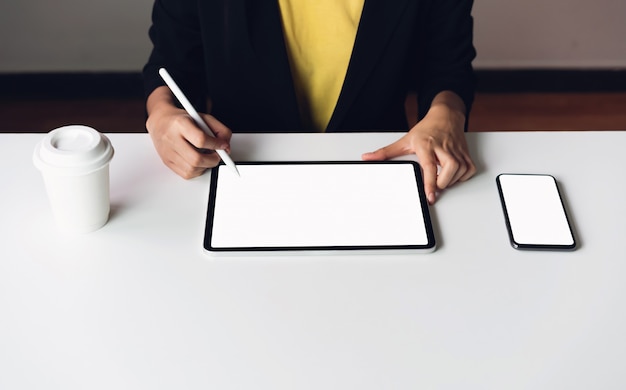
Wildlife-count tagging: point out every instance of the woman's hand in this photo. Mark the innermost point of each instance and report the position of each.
(438, 140)
(182, 145)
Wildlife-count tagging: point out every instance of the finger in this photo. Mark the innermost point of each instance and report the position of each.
(466, 169)
(447, 173)
(471, 169)
(396, 149)
(186, 126)
(199, 158)
(181, 167)
(189, 156)
(220, 130)
(429, 173)
(201, 140)
(452, 168)
(220, 138)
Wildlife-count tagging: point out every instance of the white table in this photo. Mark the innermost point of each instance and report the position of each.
(138, 305)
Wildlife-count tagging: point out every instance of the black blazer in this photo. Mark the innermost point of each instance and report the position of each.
(233, 52)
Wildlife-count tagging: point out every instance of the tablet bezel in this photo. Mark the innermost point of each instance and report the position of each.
(305, 250)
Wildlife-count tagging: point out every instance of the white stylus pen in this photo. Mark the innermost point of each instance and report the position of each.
(194, 114)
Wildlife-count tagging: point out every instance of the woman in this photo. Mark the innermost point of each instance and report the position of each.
(325, 65)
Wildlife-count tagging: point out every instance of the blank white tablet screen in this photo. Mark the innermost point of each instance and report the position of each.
(318, 205)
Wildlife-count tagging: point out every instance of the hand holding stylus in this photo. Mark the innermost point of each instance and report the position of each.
(194, 115)
(181, 143)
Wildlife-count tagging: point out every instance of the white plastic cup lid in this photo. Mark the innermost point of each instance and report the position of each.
(73, 150)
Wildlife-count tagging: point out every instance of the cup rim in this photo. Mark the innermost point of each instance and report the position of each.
(94, 151)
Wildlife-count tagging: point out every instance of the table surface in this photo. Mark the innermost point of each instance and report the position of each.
(137, 304)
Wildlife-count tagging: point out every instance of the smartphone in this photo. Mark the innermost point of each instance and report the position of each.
(534, 212)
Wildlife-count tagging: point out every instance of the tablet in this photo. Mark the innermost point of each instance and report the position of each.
(318, 207)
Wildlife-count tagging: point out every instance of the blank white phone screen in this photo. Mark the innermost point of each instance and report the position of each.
(318, 205)
(535, 210)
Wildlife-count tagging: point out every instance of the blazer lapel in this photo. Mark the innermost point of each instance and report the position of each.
(378, 21)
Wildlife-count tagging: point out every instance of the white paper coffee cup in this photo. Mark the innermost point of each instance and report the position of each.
(74, 162)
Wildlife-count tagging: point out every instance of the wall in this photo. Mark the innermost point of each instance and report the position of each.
(74, 35)
(550, 33)
(111, 35)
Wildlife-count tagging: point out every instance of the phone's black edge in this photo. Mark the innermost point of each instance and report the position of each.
(505, 212)
(537, 247)
(531, 247)
(567, 219)
(430, 245)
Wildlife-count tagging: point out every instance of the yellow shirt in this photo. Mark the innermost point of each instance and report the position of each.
(320, 36)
